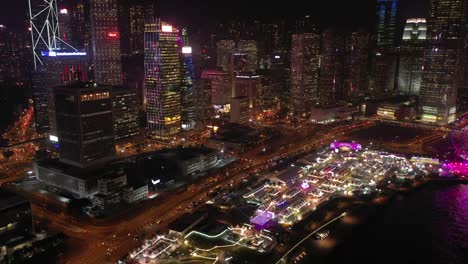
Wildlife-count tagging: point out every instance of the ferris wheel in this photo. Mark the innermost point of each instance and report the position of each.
(459, 137)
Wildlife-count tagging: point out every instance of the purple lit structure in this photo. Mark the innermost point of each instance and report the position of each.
(454, 168)
(350, 145)
(305, 185)
(262, 219)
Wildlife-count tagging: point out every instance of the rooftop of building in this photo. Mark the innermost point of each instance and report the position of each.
(186, 220)
(182, 153)
(93, 172)
(234, 133)
(79, 86)
(9, 199)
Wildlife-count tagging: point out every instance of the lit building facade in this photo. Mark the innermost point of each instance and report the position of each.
(84, 123)
(219, 85)
(240, 110)
(224, 50)
(356, 66)
(384, 59)
(59, 68)
(125, 112)
(442, 73)
(412, 56)
(386, 24)
(162, 79)
(64, 16)
(105, 42)
(186, 89)
(305, 67)
(331, 67)
(250, 85)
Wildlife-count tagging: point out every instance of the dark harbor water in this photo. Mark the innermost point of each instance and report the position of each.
(428, 225)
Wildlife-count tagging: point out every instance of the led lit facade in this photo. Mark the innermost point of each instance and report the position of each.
(162, 79)
(305, 67)
(442, 74)
(412, 56)
(105, 42)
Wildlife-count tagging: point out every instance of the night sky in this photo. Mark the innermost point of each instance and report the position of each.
(198, 13)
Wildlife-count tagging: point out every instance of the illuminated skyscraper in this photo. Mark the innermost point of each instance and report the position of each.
(125, 112)
(79, 29)
(132, 20)
(240, 110)
(442, 73)
(249, 48)
(105, 42)
(305, 66)
(249, 85)
(331, 67)
(64, 16)
(219, 86)
(224, 50)
(356, 65)
(386, 24)
(84, 123)
(162, 79)
(186, 89)
(384, 59)
(60, 68)
(412, 56)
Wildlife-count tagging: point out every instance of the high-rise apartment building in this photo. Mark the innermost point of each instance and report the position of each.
(412, 56)
(85, 130)
(162, 79)
(105, 42)
(305, 67)
(443, 67)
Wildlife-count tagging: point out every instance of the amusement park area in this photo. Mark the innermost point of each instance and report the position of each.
(279, 201)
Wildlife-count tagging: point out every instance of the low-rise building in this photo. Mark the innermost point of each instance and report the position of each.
(135, 193)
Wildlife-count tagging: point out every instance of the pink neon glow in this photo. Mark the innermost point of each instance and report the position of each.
(351, 145)
(63, 11)
(112, 34)
(455, 168)
(262, 218)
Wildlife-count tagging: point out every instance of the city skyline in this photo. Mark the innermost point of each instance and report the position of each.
(144, 132)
